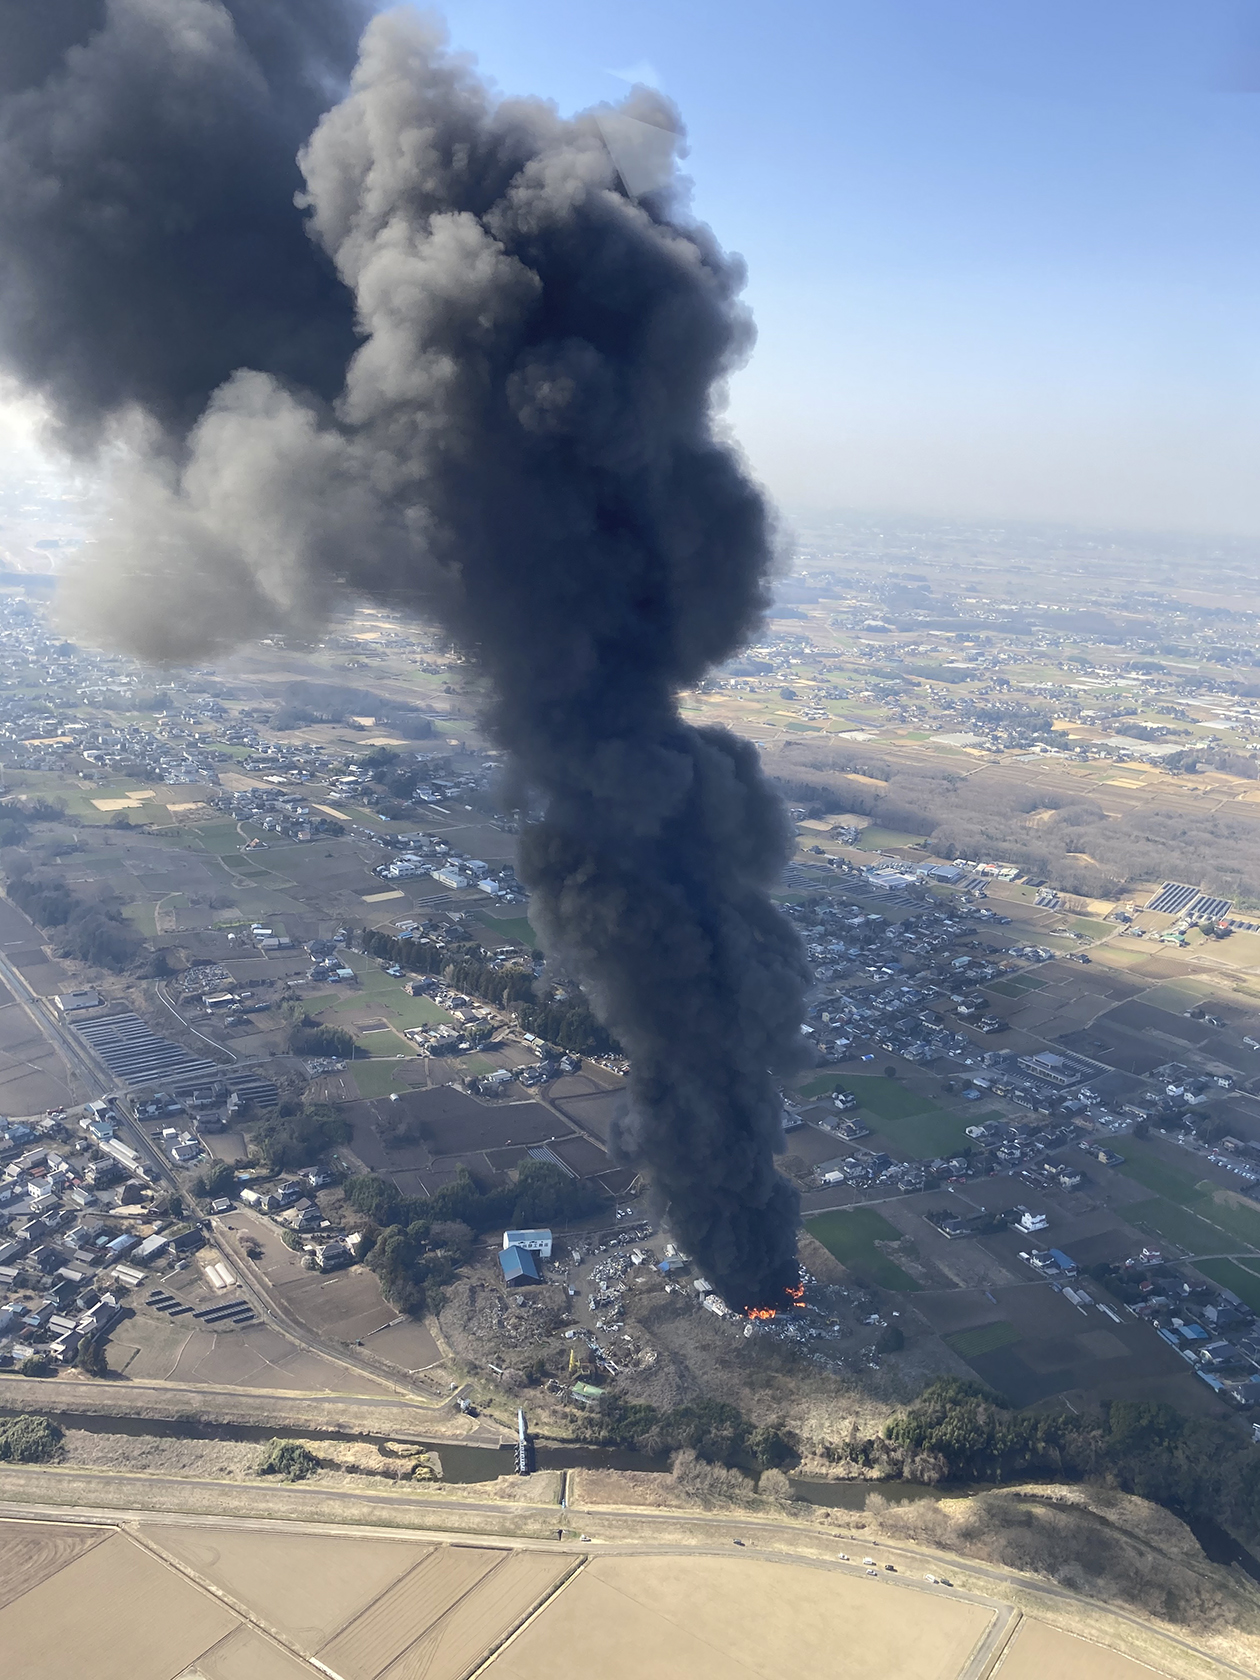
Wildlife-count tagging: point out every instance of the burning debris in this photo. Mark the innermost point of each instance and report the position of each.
(471, 376)
(794, 1297)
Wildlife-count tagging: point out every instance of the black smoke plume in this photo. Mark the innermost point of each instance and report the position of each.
(518, 442)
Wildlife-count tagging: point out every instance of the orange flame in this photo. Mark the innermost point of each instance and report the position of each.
(795, 1298)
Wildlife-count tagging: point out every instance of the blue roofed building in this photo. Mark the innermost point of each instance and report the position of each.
(519, 1265)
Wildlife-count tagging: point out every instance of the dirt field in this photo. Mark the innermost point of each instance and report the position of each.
(720, 1618)
(247, 1655)
(305, 1587)
(480, 1620)
(185, 1598)
(150, 1347)
(31, 1552)
(114, 1612)
(1037, 1651)
(409, 1609)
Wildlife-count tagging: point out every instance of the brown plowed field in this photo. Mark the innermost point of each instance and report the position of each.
(31, 1552)
(1038, 1652)
(645, 1618)
(407, 1610)
(304, 1586)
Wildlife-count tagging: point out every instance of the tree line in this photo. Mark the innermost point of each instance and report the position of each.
(958, 1430)
(91, 932)
(567, 1022)
(1063, 837)
(713, 1429)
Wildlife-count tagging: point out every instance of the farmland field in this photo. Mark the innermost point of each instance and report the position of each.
(1037, 1651)
(122, 1614)
(851, 1236)
(985, 1338)
(306, 1589)
(626, 1617)
(191, 1599)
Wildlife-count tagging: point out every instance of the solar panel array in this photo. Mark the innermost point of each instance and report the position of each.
(133, 1052)
(1205, 909)
(1172, 898)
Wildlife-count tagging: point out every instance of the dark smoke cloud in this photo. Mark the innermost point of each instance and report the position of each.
(148, 243)
(524, 449)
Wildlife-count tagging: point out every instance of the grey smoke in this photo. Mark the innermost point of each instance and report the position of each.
(522, 447)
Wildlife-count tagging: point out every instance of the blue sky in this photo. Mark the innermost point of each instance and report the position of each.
(1003, 253)
(1003, 256)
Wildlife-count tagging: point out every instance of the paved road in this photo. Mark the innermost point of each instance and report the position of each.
(405, 1414)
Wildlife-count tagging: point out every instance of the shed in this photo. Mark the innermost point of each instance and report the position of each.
(518, 1266)
(536, 1242)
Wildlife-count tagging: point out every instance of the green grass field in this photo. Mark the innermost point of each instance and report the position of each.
(985, 1338)
(381, 1044)
(377, 1079)
(1151, 1170)
(1178, 1224)
(401, 1011)
(142, 915)
(1176, 1185)
(220, 838)
(872, 838)
(1241, 1222)
(850, 1236)
(933, 1131)
(510, 927)
(911, 1122)
(887, 1098)
(1230, 1275)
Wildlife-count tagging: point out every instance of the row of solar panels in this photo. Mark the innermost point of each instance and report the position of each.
(1174, 898)
(133, 1052)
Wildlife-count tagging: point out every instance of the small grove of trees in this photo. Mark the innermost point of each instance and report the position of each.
(714, 1430)
(217, 1180)
(959, 1431)
(413, 1264)
(89, 932)
(309, 1038)
(542, 1195)
(415, 1245)
(463, 965)
(298, 1133)
(90, 1359)
(29, 1440)
(289, 1459)
(567, 1022)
